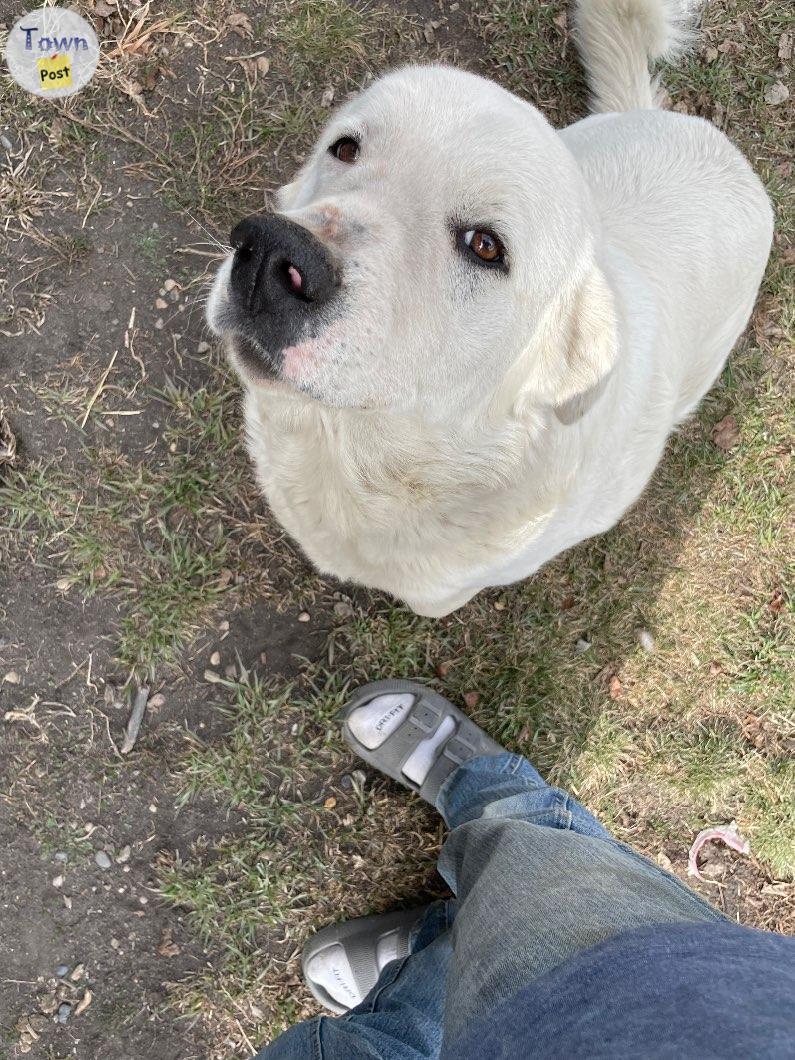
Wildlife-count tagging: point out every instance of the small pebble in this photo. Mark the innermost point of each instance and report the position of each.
(64, 1011)
(203, 347)
(169, 285)
(582, 646)
(471, 699)
(161, 303)
(215, 658)
(57, 882)
(123, 855)
(346, 782)
(158, 700)
(62, 970)
(212, 677)
(224, 626)
(304, 616)
(102, 859)
(230, 671)
(62, 856)
(13, 678)
(159, 324)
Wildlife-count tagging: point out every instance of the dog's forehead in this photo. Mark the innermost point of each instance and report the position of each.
(439, 104)
(452, 129)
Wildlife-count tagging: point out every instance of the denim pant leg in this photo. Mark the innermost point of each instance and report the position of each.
(537, 879)
(401, 1017)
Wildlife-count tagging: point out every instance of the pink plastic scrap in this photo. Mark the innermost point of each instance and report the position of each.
(727, 834)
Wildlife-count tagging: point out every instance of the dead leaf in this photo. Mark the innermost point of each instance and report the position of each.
(567, 603)
(240, 24)
(777, 602)
(776, 93)
(167, 947)
(726, 433)
(104, 10)
(614, 687)
(8, 443)
(785, 46)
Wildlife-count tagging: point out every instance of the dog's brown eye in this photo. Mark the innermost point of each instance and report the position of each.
(346, 149)
(485, 245)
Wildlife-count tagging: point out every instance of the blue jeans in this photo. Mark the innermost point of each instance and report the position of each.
(536, 878)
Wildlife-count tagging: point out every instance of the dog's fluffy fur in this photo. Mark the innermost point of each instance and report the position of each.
(453, 427)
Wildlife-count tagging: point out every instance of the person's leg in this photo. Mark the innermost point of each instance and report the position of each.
(538, 879)
(537, 876)
(401, 1017)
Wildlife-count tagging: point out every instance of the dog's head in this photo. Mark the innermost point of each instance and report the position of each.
(436, 248)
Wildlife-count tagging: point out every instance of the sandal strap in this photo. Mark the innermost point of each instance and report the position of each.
(423, 719)
(463, 745)
(359, 939)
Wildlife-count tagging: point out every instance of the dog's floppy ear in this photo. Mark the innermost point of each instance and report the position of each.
(570, 358)
(589, 348)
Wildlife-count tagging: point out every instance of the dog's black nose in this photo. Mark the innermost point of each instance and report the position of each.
(280, 267)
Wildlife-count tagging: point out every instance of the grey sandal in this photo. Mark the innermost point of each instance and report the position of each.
(360, 939)
(422, 720)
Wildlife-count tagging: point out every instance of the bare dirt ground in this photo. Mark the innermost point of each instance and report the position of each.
(154, 904)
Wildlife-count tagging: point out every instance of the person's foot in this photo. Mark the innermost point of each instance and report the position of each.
(342, 962)
(412, 734)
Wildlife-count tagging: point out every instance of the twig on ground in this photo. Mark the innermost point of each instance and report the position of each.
(135, 720)
(98, 391)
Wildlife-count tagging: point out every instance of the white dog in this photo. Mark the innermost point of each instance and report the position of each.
(465, 336)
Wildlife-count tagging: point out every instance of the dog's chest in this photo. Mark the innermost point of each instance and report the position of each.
(383, 510)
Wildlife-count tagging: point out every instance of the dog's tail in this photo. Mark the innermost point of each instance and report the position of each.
(617, 41)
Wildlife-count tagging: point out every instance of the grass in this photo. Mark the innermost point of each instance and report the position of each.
(164, 527)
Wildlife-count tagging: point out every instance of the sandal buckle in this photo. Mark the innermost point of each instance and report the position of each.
(426, 718)
(458, 750)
